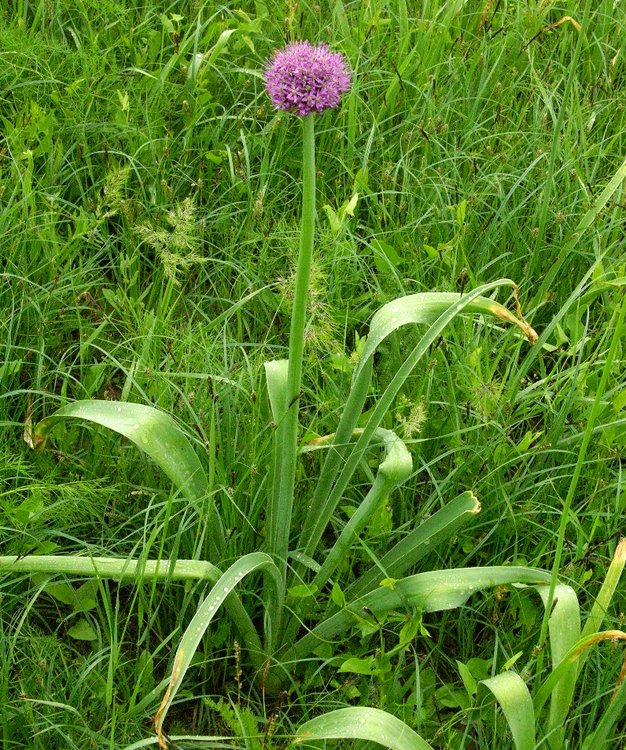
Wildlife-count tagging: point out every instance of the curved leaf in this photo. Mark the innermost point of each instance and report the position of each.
(155, 433)
(364, 724)
(136, 571)
(201, 620)
(512, 694)
(429, 592)
(426, 307)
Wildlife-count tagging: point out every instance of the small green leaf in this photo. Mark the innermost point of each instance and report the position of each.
(337, 596)
(389, 583)
(82, 631)
(86, 596)
(385, 256)
(62, 592)
(302, 591)
(358, 666)
(469, 682)
(333, 219)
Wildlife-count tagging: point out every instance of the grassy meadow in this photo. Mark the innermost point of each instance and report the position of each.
(150, 202)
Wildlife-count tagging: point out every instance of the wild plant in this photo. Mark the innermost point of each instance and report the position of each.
(305, 601)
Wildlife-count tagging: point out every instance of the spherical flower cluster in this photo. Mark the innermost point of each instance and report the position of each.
(302, 78)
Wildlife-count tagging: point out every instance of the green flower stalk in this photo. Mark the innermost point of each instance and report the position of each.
(305, 80)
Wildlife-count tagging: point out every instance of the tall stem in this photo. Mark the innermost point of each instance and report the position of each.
(279, 512)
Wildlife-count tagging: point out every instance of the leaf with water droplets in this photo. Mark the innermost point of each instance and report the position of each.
(512, 694)
(206, 612)
(427, 307)
(157, 434)
(363, 724)
(154, 431)
(433, 591)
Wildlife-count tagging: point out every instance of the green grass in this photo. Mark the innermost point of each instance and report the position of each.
(148, 234)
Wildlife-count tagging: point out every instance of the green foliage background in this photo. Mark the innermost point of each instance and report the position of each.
(149, 207)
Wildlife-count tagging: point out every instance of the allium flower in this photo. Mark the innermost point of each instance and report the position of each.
(302, 78)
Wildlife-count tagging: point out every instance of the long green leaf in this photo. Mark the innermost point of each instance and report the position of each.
(158, 435)
(438, 309)
(512, 694)
(192, 636)
(364, 724)
(564, 629)
(429, 592)
(115, 568)
(571, 659)
(418, 543)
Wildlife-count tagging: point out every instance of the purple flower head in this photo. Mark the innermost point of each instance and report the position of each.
(302, 78)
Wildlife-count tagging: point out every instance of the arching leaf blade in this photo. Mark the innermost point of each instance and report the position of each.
(517, 706)
(433, 591)
(365, 724)
(150, 429)
(196, 629)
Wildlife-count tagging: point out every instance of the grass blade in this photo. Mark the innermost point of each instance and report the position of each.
(570, 659)
(517, 706)
(365, 724)
(609, 586)
(615, 712)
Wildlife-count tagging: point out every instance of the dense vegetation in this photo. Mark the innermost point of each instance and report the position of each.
(150, 203)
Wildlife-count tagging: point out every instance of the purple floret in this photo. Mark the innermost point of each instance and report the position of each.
(302, 78)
